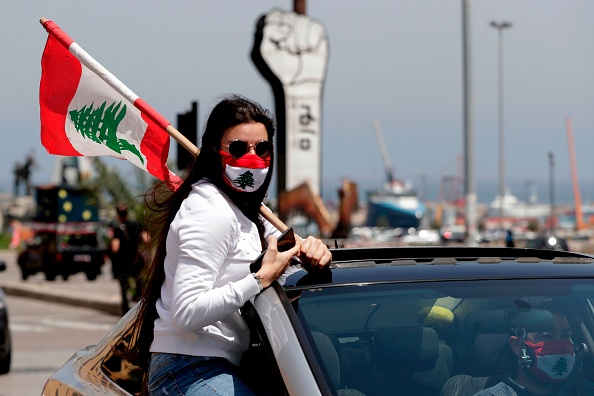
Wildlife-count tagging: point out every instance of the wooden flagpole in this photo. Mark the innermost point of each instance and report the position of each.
(170, 129)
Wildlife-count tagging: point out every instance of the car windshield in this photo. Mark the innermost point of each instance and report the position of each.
(413, 337)
(78, 240)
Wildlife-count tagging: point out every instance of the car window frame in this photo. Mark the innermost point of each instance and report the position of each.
(260, 344)
(275, 294)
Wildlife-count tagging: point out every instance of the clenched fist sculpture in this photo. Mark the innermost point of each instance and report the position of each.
(291, 52)
(293, 46)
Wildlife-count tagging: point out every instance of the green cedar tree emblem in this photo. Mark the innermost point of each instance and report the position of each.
(244, 180)
(101, 124)
(560, 367)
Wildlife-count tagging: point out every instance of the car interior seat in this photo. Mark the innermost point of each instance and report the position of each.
(484, 364)
(483, 358)
(411, 361)
(436, 377)
(331, 361)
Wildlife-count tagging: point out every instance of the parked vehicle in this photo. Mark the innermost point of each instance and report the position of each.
(547, 242)
(64, 249)
(67, 235)
(422, 238)
(383, 321)
(5, 338)
(455, 234)
(491, 235)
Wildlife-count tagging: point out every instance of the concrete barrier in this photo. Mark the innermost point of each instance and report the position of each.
(101, 302)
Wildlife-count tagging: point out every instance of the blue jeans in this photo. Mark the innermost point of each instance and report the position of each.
(184, 375)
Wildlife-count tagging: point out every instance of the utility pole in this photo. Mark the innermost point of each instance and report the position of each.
(500, 26)
(469, 182)
(552, 192)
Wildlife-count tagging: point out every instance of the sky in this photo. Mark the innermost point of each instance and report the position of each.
(397, 62)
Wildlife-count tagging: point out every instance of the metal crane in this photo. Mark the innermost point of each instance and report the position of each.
(384, 151)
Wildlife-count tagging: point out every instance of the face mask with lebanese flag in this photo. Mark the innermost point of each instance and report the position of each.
(245, 174)
(554, 359)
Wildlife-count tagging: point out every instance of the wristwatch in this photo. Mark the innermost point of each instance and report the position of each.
(257, 278)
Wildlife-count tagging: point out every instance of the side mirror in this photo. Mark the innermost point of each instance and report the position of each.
(2, 266)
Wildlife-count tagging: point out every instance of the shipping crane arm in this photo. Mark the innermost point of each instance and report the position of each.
(379, 136)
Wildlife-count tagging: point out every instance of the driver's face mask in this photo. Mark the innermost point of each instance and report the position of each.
(549, 361)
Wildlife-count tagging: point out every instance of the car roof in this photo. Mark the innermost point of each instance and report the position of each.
(405, 264)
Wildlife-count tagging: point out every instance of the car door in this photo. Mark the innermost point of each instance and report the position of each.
(290, 345)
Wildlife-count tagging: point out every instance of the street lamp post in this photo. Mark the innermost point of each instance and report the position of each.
(469, 182)
(552, 192)
(500, 26)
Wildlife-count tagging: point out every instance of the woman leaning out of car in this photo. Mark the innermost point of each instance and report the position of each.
(210, 231)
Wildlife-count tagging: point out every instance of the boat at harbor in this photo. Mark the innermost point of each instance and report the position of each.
(396, 205)
(511, 206)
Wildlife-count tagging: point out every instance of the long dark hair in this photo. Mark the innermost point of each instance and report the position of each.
(232, 110)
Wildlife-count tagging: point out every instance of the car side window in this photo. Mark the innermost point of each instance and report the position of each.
(376, 338)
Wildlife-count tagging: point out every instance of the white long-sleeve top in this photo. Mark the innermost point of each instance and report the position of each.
(210, 245)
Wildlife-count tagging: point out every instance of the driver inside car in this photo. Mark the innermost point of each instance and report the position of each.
(548, 362)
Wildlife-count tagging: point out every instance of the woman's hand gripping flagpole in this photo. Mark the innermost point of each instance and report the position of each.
(49, 115)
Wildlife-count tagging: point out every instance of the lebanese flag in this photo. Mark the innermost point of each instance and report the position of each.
(87, 111)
